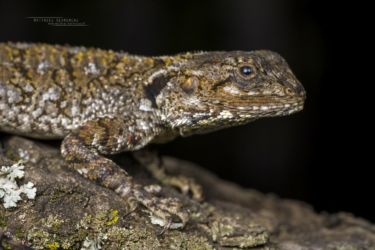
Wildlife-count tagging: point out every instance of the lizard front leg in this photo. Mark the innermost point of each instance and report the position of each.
(83, 149)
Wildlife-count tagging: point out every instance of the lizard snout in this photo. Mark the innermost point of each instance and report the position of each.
(300, 90)
(293, 87)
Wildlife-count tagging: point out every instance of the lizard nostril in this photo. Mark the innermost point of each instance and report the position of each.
(301, 91)
(289, 91)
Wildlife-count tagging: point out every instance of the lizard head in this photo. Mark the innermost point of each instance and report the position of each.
(213, 90)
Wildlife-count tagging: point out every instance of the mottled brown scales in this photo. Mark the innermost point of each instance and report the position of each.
(55, 88)
(105, 102)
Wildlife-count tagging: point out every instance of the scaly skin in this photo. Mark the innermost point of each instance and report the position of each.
(103, 102)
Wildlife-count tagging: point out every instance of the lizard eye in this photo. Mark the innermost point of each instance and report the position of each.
(190, 85)
(246, 71)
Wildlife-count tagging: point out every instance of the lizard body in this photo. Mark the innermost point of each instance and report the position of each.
(105, 102)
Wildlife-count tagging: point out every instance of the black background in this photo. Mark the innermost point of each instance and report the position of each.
(323, 155)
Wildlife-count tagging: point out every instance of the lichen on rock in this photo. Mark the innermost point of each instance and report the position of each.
(10, 192)
(70, 212)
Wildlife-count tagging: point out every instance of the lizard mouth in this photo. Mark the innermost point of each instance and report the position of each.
(278, 109)
(234, 114)
(269, 109)
(266, 104)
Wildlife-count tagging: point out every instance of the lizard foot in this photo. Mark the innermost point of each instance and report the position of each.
(154, 165)
(165, 212)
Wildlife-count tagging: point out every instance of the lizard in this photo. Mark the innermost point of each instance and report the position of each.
(101, 102)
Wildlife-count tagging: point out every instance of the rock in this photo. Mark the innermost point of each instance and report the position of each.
(70, 212)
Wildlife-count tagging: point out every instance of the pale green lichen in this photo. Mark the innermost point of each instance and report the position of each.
(101, 220)
(344, 246)
(113, 217)
(53, 245)
(132, 238)
(228, 232)
(53, 221)
(10, 192)
(39, 238)
(5, 246)
(3, 219)
(94, 244)
(187, 241)
(19, 233)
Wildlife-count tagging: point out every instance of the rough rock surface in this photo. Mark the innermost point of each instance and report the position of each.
(70, 212)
